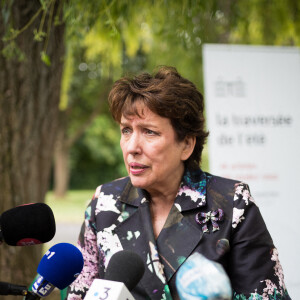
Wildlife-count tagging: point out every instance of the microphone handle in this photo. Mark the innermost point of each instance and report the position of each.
(31, 296)
(12, 289)
(1, 237)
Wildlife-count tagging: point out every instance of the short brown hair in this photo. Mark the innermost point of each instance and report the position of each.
(169, 95)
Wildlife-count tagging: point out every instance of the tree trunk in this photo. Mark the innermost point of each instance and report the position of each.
(29, 97)
(61, 164)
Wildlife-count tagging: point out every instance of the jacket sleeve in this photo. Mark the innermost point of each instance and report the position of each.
(255, 270)
(87, 243)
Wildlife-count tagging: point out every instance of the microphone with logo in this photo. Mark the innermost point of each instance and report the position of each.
(200, 278)
(125, 269)
(28, 224)
(58, 268)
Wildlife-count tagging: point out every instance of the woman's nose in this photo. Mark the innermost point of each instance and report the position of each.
(134, 144)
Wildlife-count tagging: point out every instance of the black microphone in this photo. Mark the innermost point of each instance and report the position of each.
(125, 266)
(27, 224)
(125, 269)
(12, 289)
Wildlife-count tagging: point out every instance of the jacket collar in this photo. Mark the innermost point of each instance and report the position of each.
(191, 193)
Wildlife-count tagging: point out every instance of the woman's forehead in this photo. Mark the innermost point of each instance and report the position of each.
(143, 115)
(136, 108)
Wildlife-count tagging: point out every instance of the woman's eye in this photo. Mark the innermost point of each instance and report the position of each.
(150, 132)
(125, 130)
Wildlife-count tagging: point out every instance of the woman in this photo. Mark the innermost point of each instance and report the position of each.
(168, 208)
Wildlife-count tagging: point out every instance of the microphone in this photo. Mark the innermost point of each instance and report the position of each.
(201, 278)
(125, 269)
(28, 224)
(12, 289)
(59, 267)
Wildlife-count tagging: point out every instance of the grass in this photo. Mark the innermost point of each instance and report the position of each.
(71, 207)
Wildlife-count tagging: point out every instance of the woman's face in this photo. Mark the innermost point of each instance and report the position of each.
(152, 155)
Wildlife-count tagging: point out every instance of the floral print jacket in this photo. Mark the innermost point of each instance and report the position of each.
(118, 217)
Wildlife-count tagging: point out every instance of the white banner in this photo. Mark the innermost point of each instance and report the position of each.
(253, 114)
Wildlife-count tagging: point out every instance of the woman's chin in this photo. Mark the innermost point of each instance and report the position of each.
(138, 182)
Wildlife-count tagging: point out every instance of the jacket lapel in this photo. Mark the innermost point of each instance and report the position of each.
(142, 242)
(181, 234)
(176, 241)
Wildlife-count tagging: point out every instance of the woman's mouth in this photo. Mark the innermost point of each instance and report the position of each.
(136, 168)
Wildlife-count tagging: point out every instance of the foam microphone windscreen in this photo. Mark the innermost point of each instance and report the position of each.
(127, 267)
(28, 224)
(201, 278)
(61, 264)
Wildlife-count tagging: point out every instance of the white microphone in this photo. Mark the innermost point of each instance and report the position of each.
(202, 279)
(102, 289)
(125, 269)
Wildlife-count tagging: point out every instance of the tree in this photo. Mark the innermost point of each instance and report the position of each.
(30, 79)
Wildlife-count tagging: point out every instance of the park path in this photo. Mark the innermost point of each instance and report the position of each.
(66, 232)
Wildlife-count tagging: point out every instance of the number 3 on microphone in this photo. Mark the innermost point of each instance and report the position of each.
(105, 294)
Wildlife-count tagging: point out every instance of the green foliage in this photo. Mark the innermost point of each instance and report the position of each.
(102, 43)
(96, 157)
(265, 23)
(45, 58)
(38, 35)
(49, 10)
(173, 32)
(12, 51)
(96, 154)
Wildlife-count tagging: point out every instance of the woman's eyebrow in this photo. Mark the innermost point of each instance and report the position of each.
(141, 124)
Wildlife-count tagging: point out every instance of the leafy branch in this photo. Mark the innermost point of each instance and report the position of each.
(47, 9)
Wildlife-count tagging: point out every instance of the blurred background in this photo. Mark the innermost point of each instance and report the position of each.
(58, 62)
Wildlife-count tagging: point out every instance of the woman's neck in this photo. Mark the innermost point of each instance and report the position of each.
(160, 206)
(161, 202)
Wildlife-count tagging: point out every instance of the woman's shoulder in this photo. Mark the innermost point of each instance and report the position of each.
(224, 184)
(237, 192)
(223, 180)
(114, 187)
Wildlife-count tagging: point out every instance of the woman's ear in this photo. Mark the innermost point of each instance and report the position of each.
(188, 148)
